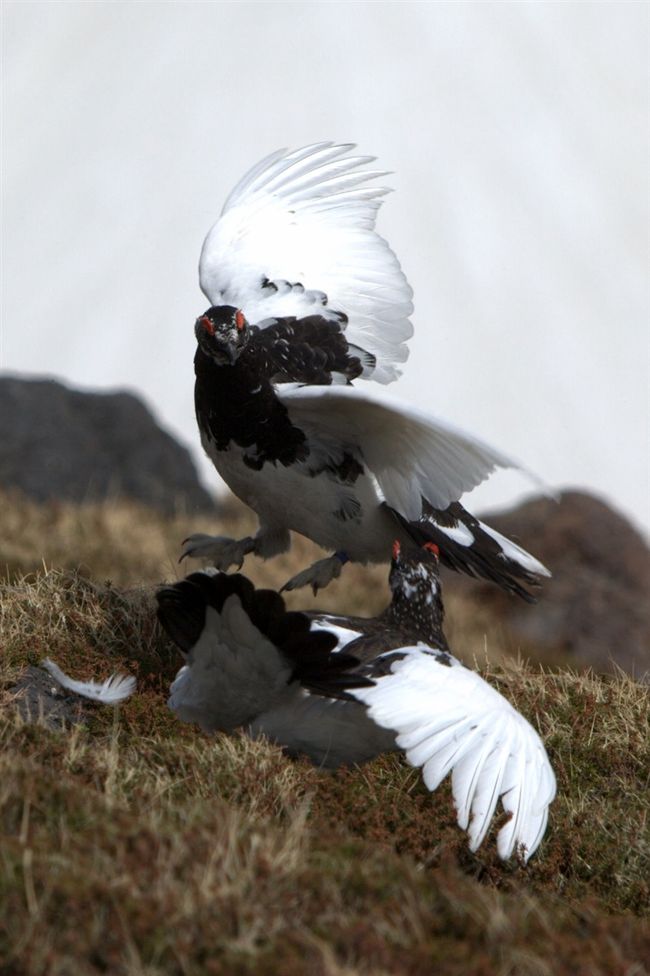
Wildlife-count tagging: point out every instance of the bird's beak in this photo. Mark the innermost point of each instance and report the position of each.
(224, 352)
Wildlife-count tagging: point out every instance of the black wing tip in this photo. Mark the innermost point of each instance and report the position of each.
(182, 606)
(482, 559)
(182, 610)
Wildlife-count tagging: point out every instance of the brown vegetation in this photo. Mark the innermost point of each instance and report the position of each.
(135, 845)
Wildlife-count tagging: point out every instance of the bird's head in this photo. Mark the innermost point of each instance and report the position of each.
(222, 333)
(414, 572)
(416, 599)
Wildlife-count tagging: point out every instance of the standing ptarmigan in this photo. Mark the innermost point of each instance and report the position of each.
(342, 690)
(307, 297)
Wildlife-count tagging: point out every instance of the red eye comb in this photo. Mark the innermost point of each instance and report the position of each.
(396, 549)
(205, 322)
(240, 319)
(432, 547)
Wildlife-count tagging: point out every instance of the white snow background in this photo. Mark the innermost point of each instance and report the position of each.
(518, 137)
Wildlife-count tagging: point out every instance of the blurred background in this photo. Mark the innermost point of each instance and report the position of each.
(518, 139)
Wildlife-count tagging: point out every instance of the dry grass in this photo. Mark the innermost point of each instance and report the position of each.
(135, 845)
(131, 546)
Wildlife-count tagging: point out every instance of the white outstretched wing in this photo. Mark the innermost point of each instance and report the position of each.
(410, 453)
(449, 720)
(115, 689)
(307, 218)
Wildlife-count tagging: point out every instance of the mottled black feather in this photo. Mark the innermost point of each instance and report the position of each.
(305, 350)
(237, 404)
(181, 612)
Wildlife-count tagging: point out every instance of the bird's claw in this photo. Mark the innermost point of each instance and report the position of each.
(319, 575)
(222, 551)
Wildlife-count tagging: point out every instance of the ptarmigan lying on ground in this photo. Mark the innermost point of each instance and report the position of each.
(342, 690)
(307, 297)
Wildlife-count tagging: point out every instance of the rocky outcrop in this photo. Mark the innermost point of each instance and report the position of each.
(596, 608)
(61, 443)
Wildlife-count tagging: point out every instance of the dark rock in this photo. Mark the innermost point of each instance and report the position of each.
(596, 608)
(59, 443)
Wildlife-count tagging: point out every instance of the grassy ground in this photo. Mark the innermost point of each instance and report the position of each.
(132, 546)
(135, 845)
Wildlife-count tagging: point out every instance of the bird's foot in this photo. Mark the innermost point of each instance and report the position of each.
(219, 549)
(319, 575)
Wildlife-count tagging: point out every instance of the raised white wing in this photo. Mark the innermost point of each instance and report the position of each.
(410, 453)
(306, 218)
(115, 689)
(449, 720)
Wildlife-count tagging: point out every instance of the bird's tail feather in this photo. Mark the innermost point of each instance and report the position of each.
(468, 545)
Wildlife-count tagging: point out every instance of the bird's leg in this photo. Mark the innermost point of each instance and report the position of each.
(224, 552)
(320, 574)
(271, 541)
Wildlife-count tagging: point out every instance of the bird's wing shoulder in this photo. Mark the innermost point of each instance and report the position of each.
(309, 350)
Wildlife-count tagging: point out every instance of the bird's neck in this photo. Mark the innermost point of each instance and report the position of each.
(418, 613)
(238, 405)
(245, 374)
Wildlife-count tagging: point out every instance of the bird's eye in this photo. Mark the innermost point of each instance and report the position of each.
(240, 319)
(207, 325)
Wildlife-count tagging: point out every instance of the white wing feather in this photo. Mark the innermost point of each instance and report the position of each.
(306, 217)
(115, 689)
(410, 453)
(449, 720)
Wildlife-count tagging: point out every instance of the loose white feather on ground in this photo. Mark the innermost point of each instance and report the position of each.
(110, 692)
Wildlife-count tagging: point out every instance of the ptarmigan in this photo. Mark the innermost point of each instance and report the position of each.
(307, 297)
(342, 690)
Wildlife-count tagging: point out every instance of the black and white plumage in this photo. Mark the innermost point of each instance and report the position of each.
(414, 614)
(277, 412)
(297, 237)
(342, 690)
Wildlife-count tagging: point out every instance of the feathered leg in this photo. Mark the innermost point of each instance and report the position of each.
(224, 552)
